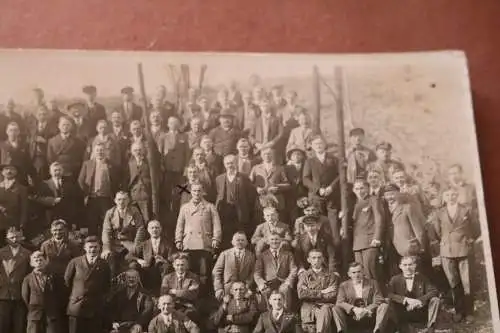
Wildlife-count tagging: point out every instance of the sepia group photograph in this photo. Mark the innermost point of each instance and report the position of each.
(167, 192)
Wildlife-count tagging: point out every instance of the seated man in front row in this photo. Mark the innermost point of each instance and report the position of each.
(317, 289)
(153, 255)
(169, 320)
(275, 269)
(182, 284)
(277, 318)
(413, 298)
(130, 309)
(237, 313)
(360, 304)
(234, 264)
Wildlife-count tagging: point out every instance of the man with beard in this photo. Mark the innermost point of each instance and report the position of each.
(15, 266)
(89, 279)
(235, 201)
(130, 308)
(317, 289)
(413, 297)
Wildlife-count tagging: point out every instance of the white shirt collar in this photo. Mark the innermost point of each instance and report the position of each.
(321, 157)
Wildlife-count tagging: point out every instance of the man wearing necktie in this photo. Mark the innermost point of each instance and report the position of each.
(169, 320)
(271, 225)
(277, 318)
(88, 278)
(43, 298)
(275, 268)
(234, 264)
(413, 298)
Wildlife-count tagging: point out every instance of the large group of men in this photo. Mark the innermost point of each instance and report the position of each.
(250, 235)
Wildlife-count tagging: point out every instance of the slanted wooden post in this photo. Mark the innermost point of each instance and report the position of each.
(316, 114)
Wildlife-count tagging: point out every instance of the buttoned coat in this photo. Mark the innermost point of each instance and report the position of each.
(197, 226)
(224, 141)
(133, 113)
(317, 175)
(87, 176)
(267, 268)
(309, 292)
(174, 149)
(113, 150)
(42, 300)
(145, 252)
(20, 157)
(131, 228)
(264, 230)
(95, 113)
(324, 243)
(69, 152)
(133, 175)
(89, 285)
(269, 139)
(11, 282)
(58, 258)
(15, 202)
(407, 229)
(368, 222)
(228, 270)
(455, 234)
(358, 159)
(276, 176)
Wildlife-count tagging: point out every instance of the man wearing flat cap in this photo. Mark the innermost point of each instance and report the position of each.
(128, 108)
(225, 136)
(94, 110)
(358, 155)
(384, 163)
(88, 277)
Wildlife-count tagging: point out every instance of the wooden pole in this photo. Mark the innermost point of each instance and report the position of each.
(203, 70)
(152, 151)
(316, 114)
(341, 153)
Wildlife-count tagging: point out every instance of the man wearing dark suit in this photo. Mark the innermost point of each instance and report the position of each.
(13, 201)
(130, 308)
(275, 268)
(235, 201)
(89, 278)
(244, 159)
(368, 229)
(225, 136)
(122, 230)
(128, 108)
(184, 285)
(138, 180)
(277, 319)
(235, 264)
(81, 125)
(314, 237)
(154, 256)
(119, 132)
(360, 304)
(320, 177)
(317, 289)
(413, 298)
(293, 172)
(214, 160)
(94, 111)
(175, 153)
(15, 266)
(62, 197)
(40, 130)
(66, 149)
(113, 151)
(43, 298)
(237, 312)
(15, 151)
(99, 180)
(267, 131)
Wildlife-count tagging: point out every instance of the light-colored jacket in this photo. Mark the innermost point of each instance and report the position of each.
(198, 225)
(116, 234)
(227, 270)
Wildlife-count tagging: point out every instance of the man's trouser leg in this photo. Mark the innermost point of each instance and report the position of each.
(433, 311)
(382, 317)
(451, 270)
(323, 316)
(339, 318)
